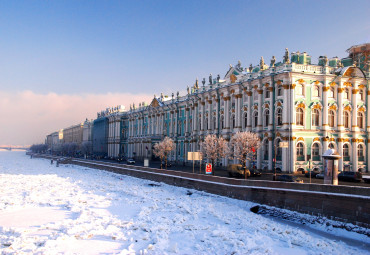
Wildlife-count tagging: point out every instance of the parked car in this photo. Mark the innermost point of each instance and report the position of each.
(320, 175)
(237, 170)
(288, 178)
(313, 174)
(350, 176)
(255, 173)
(131, 161)
(168, 164)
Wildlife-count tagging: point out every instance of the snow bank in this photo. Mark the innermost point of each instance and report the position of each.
(71, 209)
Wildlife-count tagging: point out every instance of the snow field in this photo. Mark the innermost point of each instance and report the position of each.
(75, 210)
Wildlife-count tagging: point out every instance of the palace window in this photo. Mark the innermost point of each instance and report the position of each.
(245, 120)
(280, 91)
(214, 122)
(255, 117)
(299, 90)
(331, 92)
(316, 91)
(266, 149)
(267, 94)
(266, 118)
(279, 115)
(346, 94)
(346, 152)
(278, 149)
(315, 117)
(233, 121)
(360, 152)
(300, 152)
(360, 120)
(346, 119)
(331, 118)
(315, 152)
(222, 122)
(299, 117)
(255, 95)
(361, 95)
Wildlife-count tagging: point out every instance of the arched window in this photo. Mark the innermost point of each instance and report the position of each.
(316, 92)
(331, 92)
(280, 91)
(346, 119)
(266, 149)
(360, 152)
(315, 117)
(233, 121)
(245, 120)
(360, 120)
(279, 116)
(214, 122)
(266, 118)
(300, 152)
(346, 152)
(315, 152)
(278, 149)
(331, 118)
(222, 122)
(346, 94)
(206, 120)
(200, 124)
(299, 117)
(255, 118)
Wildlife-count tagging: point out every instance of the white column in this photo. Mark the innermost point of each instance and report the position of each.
(354, 110)
(354, 158)
(250, 111)
(325, 108)
(187, 121)
(209, 114)
(271, 148)
(260, 113)
(340, 152)
(285, 106)
(340, 109)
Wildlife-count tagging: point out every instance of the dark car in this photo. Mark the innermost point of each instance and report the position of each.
(255, 173)
(288, 178)
(313, 174)
(168, 164)
(350, 176)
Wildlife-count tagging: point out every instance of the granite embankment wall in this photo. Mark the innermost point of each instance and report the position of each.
(343, 203)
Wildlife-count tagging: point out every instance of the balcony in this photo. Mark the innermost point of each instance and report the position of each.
(300, 158)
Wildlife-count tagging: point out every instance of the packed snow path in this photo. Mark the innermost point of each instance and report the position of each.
(46, 209)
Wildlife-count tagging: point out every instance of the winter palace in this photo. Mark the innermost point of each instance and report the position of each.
(309, 107)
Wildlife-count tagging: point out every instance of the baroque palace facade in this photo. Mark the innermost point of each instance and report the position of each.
(311, 107)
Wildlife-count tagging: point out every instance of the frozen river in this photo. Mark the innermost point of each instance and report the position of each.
(46, 209)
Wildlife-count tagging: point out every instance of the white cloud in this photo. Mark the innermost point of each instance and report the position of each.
(27, 117)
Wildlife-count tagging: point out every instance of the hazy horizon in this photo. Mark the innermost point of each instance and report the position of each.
(64, 61)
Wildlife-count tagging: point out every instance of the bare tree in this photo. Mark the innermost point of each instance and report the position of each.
(163, 149)
(159, 151)
(243, 146)
(214, 148)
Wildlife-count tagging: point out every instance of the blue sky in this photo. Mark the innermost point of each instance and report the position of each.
(153, 46)
(74, 48)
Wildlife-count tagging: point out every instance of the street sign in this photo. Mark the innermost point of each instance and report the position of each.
(194, 155)
(283, 144)
(208, 168)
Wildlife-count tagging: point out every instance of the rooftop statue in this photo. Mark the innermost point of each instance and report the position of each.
(196, 86)
(204, 81)
(250, 68)
(286, 56)
(262, 63)
(188, 89)
(273, 61)
(177, 94)
(218, 78)
(210, 79)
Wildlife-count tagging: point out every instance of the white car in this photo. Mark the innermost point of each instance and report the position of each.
(131, 161)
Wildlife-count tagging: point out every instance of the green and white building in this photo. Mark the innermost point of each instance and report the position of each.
(311, 106)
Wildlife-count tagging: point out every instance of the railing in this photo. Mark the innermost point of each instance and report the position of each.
(300, 158)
